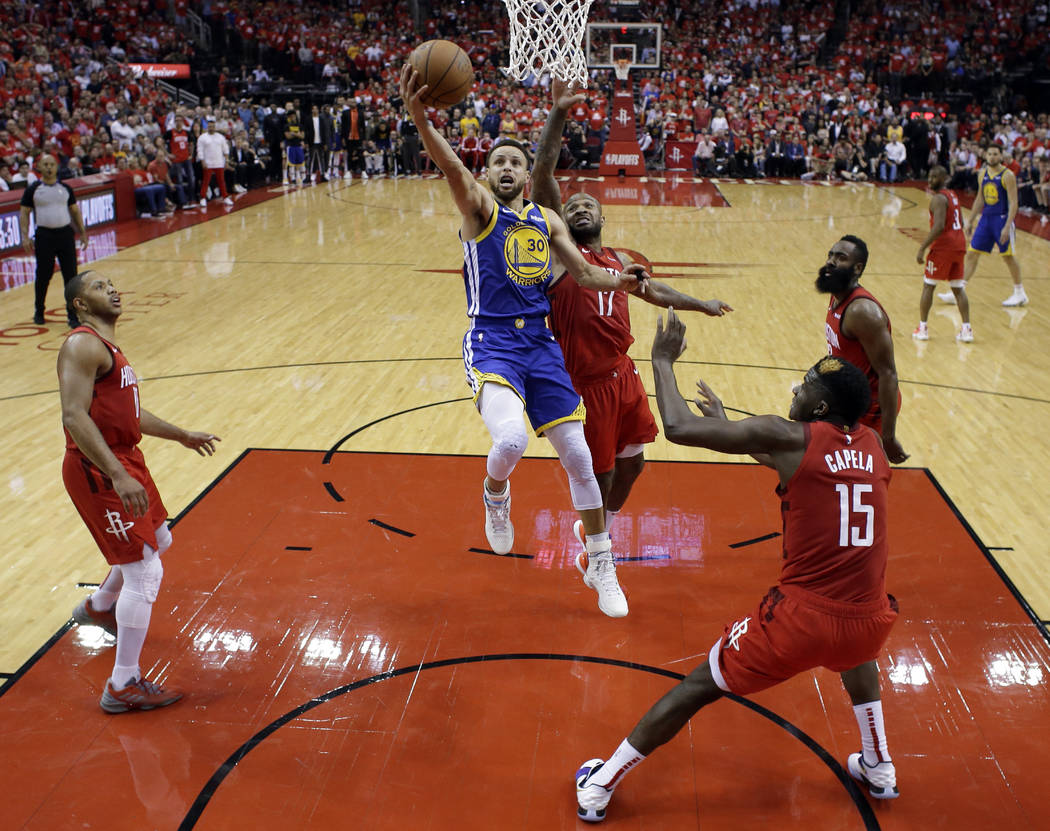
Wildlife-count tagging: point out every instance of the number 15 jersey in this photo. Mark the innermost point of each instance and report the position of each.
(834, 515)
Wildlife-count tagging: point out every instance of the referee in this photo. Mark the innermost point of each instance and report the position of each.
(57, 215)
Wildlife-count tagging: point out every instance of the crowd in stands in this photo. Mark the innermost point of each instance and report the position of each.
(758, 87)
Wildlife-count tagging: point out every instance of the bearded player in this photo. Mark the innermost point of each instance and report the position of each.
(107, 479)
(858, 329)
(594, 327)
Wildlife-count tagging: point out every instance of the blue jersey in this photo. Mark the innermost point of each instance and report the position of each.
(996, 200)
(507, 267)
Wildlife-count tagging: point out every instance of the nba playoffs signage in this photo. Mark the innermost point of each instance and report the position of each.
(96, 208)
(160, 70)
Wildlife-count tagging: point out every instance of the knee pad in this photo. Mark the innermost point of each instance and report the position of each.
(502, 412)
(575, 457)
(163, 538)
(143, 578)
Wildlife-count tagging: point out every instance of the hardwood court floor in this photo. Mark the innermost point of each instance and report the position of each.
(295, 323)
(356, 660)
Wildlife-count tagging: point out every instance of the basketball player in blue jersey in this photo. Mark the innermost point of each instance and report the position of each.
(513, 364)
(996, 205)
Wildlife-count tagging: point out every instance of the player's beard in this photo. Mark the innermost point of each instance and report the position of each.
(834, 280)
(585, 234)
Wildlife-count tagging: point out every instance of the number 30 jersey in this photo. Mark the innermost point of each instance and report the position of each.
(834, 515)
(593, 327)
(507, 267)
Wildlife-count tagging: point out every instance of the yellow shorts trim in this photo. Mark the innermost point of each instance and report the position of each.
(482, 377)
(579, 414)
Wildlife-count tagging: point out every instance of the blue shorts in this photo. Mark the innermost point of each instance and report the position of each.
(530, 362)
(986, 235)
(296, 155)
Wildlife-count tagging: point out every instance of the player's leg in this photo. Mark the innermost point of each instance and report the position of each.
(629, 465)
(45, 267)
(126, 689)
(503, 412)
(969, 267)
(925, 302)
(873, 764)
(67, 263)
(1018, 297)
(595, 563)
(958, 288)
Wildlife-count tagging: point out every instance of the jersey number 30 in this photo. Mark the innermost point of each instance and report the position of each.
(863, 515)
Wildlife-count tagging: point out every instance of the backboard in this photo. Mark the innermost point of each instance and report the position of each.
(608, 42)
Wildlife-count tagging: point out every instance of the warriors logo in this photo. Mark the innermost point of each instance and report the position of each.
(527, 252)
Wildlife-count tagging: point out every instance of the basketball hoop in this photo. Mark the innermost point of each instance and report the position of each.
(546, 36)
(622, 68)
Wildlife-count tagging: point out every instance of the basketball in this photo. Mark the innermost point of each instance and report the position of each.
(446, 69)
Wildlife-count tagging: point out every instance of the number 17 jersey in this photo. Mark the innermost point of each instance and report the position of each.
(834, 515)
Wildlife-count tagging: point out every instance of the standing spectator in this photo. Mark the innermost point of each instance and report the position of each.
(180, 143)
(318, 134)
(212, 151)
(57, 215)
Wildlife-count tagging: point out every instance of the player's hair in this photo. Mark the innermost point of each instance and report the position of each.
(939, 170)
(994, 146)
(860, 246)
(75, 286)
(510, 143)
(847, 388)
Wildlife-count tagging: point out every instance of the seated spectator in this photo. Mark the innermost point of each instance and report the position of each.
(149, 195)
(703, 156)
(160, 170)
(895, 157)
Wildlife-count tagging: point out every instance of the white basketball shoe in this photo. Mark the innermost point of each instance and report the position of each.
(881, 778)
(498, 527)
(591, 800)
(596, 565)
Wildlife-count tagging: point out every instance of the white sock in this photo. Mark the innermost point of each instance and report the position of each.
(106, 594)
(497, 497)
(609, 774)
(598, 543)
(609, 517)
(872, 732)
(133, 614)
(922, 326)
(966, 327)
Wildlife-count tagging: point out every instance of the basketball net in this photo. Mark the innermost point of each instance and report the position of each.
(546, 36)
(622, 68)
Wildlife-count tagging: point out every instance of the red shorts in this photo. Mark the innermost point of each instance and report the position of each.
(944, 264)
(618, 414)
(119, 535)
(793, 631)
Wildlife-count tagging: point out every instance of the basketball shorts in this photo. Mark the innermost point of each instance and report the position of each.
(119, 535)
(794, 630)
(944, 264)
(618, 414)
(530, 362)
(986, 236)
(296, 155)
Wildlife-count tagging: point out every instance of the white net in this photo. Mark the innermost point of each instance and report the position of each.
(622, 68)
(547, 36)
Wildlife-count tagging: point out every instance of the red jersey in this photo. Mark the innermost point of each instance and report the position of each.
(843, 346)
(593, 327)
(834, 515)
(180, 146)
(114, 402)
(952, 238)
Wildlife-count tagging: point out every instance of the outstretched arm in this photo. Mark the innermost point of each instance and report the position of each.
(661, 294)
(473, 201)
(866, 322)
(151, 425)
(544, 189)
